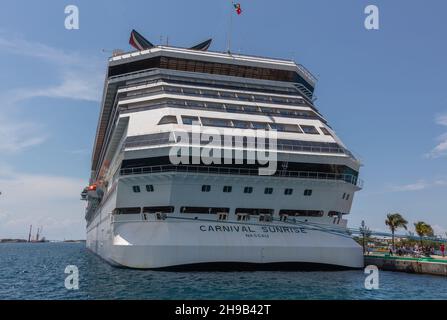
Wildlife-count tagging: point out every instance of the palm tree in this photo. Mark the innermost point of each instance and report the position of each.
(423, 229)
(366, 233)
(395, 221)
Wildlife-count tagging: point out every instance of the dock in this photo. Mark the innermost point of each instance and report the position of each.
(433, 266)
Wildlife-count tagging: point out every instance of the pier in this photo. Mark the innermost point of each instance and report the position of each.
(434, 266)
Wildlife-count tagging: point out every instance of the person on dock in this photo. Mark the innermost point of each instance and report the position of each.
(442, 248)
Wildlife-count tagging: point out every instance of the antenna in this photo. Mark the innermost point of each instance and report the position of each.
(230, 29)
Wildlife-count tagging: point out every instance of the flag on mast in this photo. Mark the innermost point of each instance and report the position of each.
(238, 8)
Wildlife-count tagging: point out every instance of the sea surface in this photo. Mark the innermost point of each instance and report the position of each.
(36, 271)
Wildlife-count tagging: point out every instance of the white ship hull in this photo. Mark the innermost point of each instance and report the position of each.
(201, 243)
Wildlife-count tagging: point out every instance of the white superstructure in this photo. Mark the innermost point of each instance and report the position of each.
(146, 212)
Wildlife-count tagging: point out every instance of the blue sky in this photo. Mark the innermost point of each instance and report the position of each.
(383, 91)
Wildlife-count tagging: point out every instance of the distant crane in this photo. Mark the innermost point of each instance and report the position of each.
(39, 232)
(29, 235)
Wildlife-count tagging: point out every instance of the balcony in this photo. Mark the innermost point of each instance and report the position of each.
(348, 178)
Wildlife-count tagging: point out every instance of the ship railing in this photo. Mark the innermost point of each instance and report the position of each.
(349, 178)
(307, 73)
(279, 146)
(191, 105)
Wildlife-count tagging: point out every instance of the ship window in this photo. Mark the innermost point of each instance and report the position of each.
(204, 210)
(227, 189)
(336, 214)
(259, 125)
(344, 195)
(308, 192)
(295, 101)
(286, 112)
(309, 129)
(302, 213)
(277, 127)
(233, 108)
(347, 196)
(167, 120)
(251, 109)
(206, 188)
(223, 216)
(196, 104)
(161, 216)
(243, 217)
(189, 120)
(279, 100)
(190, 91)
(248, 190)
(266, 217)
(214, 106)
(216, 122)
(133, 210)
(268, 190)
(241, 124)
(262, 98)
(136, 189)
(292, 128)
(149, 188)
(243, 97)
(270, 110)
(163, 209)
(325, 131)
(288, 191)
(173, 89)
(209, 93)
(254, 211)
(226, 94)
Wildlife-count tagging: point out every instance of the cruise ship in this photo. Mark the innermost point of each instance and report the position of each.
(147, 210)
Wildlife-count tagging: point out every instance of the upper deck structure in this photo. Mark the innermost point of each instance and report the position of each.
(125, 68)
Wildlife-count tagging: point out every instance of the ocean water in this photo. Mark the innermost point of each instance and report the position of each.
(36, 271)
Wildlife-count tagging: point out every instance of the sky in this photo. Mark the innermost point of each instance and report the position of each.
(383, 91)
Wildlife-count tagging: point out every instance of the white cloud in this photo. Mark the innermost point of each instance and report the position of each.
(419, 185)
(16, 136)
(81, 77)
(442, 119)
(440, 182)
(41, 200)
(38, 50)
(440, 149)
(75, 85)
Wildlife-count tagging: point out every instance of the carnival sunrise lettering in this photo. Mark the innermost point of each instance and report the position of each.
(265, 229)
